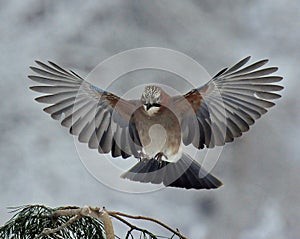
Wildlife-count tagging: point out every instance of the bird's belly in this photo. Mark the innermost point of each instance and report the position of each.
(156, 141)
(161, 135)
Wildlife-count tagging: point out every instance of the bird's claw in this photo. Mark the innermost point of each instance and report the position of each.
(159, 156)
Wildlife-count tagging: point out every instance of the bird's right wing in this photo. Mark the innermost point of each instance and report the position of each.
(99, 118)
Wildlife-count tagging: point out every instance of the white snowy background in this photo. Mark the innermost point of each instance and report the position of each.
(261, 170)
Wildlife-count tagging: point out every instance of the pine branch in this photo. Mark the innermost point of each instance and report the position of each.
(48, 231)
(87, 212)
(30, 222)
(40, 222)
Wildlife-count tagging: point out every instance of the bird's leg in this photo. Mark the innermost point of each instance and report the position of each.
(159, 156)
(142, 156)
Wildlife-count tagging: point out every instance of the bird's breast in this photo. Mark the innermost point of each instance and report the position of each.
(158, 133)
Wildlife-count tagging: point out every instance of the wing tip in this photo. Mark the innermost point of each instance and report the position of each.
(247, 58)
(38, 62)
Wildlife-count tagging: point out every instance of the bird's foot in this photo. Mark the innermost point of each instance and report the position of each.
(142, 156)
(159, 156)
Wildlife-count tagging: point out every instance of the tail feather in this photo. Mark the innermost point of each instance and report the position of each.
(185, 173)
(146, 171)
(196, 177)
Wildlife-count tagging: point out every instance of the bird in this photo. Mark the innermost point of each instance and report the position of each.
(155, 127)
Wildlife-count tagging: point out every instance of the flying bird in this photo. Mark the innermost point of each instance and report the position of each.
(155, 127)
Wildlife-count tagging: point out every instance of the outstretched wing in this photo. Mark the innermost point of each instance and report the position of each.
(228, 104)
(97, 117)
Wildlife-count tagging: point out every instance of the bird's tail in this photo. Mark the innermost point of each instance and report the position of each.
(185, 173)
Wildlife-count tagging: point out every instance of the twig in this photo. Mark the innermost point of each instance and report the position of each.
(113, 214)
(48, 231)
(108, 226)
(132, 227)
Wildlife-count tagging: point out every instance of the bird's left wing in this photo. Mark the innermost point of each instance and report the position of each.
(99, 118)
(228, 104)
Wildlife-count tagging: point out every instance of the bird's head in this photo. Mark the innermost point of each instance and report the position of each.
(151, 99)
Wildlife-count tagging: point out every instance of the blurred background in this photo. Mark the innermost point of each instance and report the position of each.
(261, 170)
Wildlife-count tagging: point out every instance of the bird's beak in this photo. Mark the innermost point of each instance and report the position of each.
(148, 106)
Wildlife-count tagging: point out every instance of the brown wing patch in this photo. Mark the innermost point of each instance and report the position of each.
(112, 99)
(191, 100)
(123, 107)
(194, 98)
